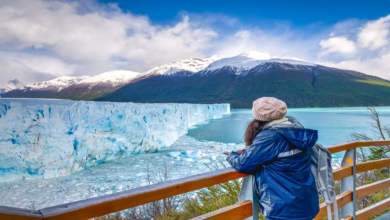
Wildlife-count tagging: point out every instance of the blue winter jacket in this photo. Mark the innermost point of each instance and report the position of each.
(280, 160)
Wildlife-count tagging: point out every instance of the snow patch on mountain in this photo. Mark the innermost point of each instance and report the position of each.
(114, 77)
(191, 65)
(55, 84)
(11, 85)
(250, 59)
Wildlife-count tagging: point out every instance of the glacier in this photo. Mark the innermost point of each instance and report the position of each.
(53, 138)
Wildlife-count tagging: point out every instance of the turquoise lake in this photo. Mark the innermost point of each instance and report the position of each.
(334, 125)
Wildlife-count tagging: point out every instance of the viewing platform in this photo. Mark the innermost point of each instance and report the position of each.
(246, 208)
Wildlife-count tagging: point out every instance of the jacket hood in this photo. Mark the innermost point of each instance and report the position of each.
(299, 137)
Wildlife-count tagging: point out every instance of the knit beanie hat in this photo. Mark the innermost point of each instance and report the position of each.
(268, 109)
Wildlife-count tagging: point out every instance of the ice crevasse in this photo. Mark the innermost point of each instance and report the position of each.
(52, 138)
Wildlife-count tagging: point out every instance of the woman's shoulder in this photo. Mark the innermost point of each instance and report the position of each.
(266, 135)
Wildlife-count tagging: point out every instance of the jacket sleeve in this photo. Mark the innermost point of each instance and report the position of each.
(263, 150)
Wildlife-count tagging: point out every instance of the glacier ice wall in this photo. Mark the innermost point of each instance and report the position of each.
(51, 138)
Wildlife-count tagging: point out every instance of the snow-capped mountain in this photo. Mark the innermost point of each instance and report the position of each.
(242, 79)
(114, 77)
(99, 85)
(250, 59)
(76, 87)
(11, 85)
(193, 65)
(237, 80)
(56, 84)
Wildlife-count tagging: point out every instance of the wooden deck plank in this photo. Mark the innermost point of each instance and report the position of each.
(237, 211)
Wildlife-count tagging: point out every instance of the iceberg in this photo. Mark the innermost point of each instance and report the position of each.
(52, 138)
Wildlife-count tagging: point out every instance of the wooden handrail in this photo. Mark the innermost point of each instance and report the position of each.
(237, 211)
(372, 165)
(373, 210)
(351, 145)
(13, 213)
(93, 207)
(345, 171)
(342, 172)
(372, 188)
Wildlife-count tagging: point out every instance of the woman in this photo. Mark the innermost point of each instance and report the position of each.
(278, 154)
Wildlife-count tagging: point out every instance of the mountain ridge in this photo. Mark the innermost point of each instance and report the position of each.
(10, 85)
(233, 80)
(298, 85)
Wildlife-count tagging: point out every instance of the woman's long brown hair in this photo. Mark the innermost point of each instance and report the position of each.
(254, 127)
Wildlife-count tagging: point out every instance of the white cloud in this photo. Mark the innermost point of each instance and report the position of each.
(12, 69)
(365, 49)
(337, 44)
(378, 66)
(375, 34)
(40, 63)
(78, 43)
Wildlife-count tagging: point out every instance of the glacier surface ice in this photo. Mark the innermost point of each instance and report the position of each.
(52, 138)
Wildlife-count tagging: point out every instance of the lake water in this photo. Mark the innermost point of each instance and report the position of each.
(191, 154)
(334, 125)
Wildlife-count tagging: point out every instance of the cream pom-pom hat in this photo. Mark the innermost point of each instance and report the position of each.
(269, 109)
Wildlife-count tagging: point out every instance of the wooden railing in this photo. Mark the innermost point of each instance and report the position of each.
(102, 205)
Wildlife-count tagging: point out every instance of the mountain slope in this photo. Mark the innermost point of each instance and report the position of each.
(298, 85)
(79, 88)
(97, 86)
(11, 85)
(45, 89)
(192, 65)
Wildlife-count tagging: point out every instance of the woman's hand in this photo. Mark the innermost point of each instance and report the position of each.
(240, 151)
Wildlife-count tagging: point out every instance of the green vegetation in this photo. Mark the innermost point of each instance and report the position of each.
(375, 82)
(374, 153)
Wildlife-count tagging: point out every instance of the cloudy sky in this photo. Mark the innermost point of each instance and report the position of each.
(43, 39)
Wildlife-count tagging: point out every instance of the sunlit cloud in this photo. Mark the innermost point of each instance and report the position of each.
(337, 44)
(367, 48)
(375, 34)
(80, 42)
